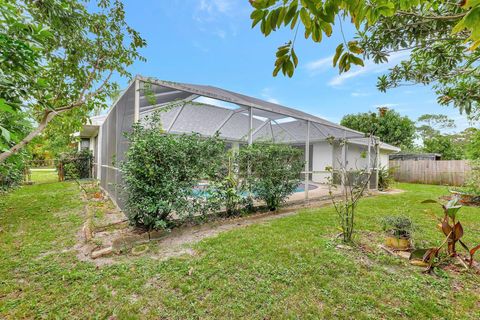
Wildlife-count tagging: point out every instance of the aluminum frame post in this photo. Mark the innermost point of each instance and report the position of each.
(307, 160)
(369, 159)
(344, 161)
(136, 114)
(250, 126)
(377, 163)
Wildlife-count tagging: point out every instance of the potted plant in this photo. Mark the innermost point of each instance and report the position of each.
(399, 230)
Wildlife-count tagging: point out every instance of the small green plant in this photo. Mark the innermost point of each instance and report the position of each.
(398, 226)
(453, 231)
(230, 189)
(353, 184)
(472, 185)
(385, 178)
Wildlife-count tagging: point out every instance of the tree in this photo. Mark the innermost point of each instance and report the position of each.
(72, 54)
(443, 39)
(431, 124)
(473, 146)
(389, 126)
(444, 145)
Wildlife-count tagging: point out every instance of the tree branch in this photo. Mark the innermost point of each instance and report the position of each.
(452, 17)
(50, 114)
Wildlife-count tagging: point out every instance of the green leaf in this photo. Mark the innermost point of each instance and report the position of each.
(5, 133)
(294, 58)
(292, 9)
(273, 18)
(281, 16)
(452, 211)
(305, 17)
(5, 107)
(257, 16)
(327, 28)
(294, 21)
(338, 52)
(353, 47)
(356, 60)
(278, 67)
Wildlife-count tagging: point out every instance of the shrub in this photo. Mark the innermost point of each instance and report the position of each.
(161, 171)
(76, 164)
(12, 171)
(472, 185)
(272, 171)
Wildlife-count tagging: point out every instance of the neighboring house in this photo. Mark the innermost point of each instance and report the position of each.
(415, 156)
(89, 139)
(237, 118)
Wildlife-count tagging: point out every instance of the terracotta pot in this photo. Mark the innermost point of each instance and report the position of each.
(398, 243)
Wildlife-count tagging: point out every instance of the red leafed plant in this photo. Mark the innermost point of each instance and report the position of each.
(453, 231)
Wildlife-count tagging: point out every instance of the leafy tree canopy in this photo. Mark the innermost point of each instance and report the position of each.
(59, 59)
(444, 145)
(442, 37)
(473, 147)
(388, 125)
(430, 125)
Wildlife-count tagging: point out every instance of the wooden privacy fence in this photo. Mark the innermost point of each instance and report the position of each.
(443, 172)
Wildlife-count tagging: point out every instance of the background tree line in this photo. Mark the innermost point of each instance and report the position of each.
(426, 134)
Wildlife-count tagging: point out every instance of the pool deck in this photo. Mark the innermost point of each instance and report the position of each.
(321, 192)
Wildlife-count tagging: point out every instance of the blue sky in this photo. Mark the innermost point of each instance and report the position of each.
(211, 42)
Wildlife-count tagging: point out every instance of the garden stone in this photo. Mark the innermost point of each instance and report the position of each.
(102, 252)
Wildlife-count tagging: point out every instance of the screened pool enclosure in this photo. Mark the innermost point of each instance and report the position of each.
(238, 119)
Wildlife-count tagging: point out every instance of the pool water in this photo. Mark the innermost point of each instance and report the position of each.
(199, 192)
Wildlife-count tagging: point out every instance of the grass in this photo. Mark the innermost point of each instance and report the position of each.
(44, 175)
(286, 268)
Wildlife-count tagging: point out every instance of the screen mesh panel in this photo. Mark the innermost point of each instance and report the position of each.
(183, 114)
(115, 145)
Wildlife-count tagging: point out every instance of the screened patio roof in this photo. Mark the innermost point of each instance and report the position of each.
(236, 117)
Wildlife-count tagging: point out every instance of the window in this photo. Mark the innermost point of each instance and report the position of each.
(84, 143)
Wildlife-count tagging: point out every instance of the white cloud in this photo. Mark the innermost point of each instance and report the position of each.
(273, 100)
(222, 6)
(331, 119)
(209, 10)
(267, 95)
(388, 105)
(369, 68)
(317, 66)
(209, 13)
(221, 34)
(360, 94)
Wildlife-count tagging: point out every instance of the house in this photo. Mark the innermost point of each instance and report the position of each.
(238, 119)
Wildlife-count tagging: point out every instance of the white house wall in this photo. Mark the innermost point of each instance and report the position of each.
(328, 155)
(322, 158)
(356, 157)
(384, 159)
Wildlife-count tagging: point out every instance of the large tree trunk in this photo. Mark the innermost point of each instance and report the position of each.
(48, 116)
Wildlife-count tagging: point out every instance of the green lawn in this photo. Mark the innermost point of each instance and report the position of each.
(46, 175)
(286, 268)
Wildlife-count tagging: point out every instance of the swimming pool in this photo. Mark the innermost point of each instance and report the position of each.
(200, 190)
(301, 187)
